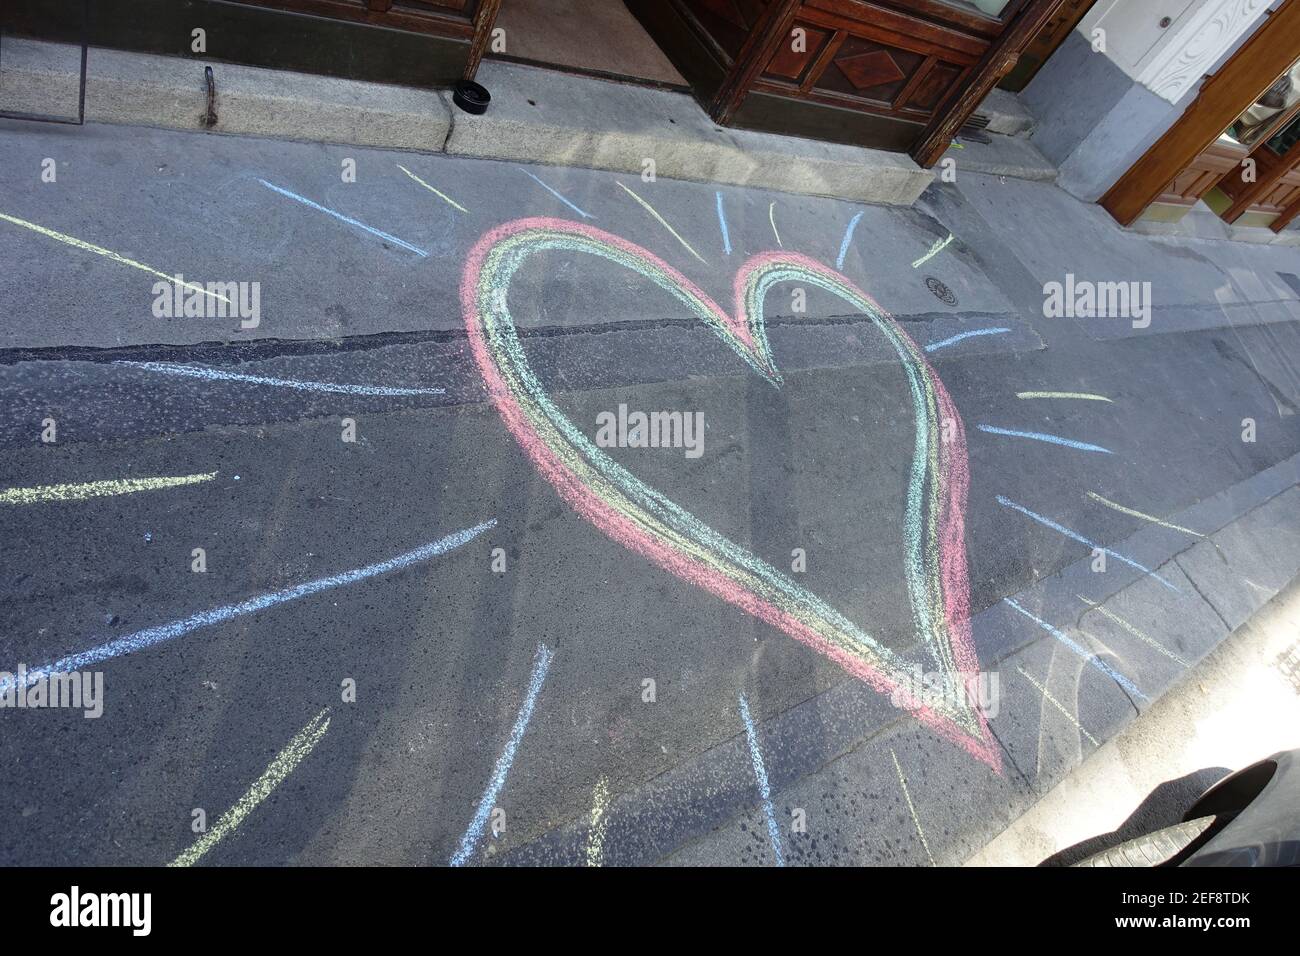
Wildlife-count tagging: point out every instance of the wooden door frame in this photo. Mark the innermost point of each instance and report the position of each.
(1064, 23)
(485, 19)
(1028, 17)
(998, 60)
(1240, 82)
(1285, 217)
(1270, 167)
(773, 26)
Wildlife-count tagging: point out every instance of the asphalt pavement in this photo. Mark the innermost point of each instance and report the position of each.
(503, 680)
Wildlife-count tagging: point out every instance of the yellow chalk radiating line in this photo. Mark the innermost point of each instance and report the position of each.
(96, 489)
(902, 782)
(599, 824)
(1106, 612)
(663, 222)
(935, 249)
(276, 771)
(1057, 704)
(771, 217)
(109, 253)
(438, 193)
(1145, 517)
(1083, 396)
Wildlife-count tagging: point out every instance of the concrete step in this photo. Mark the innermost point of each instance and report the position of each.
(1012, 156)
(536, 116)
(1006, 114)
(1200, 222)
(170, 92)
(544, 116)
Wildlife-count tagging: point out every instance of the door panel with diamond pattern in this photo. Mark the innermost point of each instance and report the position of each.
(872, 57)
(868, 72)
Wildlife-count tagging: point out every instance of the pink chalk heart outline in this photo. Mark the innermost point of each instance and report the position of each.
(646, 522)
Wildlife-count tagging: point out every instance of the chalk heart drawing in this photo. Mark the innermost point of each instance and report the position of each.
(643, 520)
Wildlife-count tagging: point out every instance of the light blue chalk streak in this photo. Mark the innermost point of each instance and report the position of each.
(555, 194)
(722, 221)
(342, 218)
(760, 773)
(1083, 653)
(1007, 502)
(130, 643)
(844, 243)
(943, 344)
(541, 664)
(221, 375)
(1050, 439)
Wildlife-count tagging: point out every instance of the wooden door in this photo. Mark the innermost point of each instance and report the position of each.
(451, 17)
(1273, 159)
(466, 21)
(1253, 166)
(873, 58)
(1220, 161)
(1256, 65)
(870, 72)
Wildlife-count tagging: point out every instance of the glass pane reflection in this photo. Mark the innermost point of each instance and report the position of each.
(1259, 118)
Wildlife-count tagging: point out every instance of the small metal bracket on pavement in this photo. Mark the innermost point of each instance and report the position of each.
(81, 89)
(210, 114)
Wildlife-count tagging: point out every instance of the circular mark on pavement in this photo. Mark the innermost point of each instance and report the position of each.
(941, 291)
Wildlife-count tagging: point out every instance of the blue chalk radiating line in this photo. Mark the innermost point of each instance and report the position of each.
(541, 664)
(130, 643)
(963, 335)
(555, 194)
(1050, 439)
(1082, 652)
(760, 774)
(1008, 503)
(722, 221)
(342, 218)
(217, 374)
(844, 243)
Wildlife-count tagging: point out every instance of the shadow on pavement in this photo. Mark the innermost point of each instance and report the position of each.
(1163, 807)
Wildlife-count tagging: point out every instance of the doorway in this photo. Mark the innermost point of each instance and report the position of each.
(1235, 146)
(898, 75)
(593, 37)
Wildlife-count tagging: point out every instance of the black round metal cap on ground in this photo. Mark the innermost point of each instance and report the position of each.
(471, 97)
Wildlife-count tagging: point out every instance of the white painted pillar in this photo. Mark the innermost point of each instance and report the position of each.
(1169, 45)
